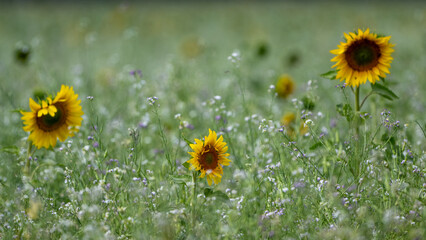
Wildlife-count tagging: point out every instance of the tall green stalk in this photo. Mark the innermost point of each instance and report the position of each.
(357, 108)
(27, 168)
(194, 196)
(357, 122)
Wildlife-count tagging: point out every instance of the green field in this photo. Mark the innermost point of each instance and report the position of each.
(211, 66)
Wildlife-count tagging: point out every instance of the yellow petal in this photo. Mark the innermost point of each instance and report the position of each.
(34, 106)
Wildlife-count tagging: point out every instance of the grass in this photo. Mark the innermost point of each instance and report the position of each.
(122, 176)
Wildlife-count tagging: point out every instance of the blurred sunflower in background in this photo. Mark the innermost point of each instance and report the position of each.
(364, 56)
(285, 86)
(53, 119)
(209, 157)
(288, 121)
(192, 47)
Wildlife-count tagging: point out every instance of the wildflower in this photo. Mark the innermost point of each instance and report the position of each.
(53, 119)
(151, 100)
(285, 86)
(209, 157)
(136, 73)
(364, 56)
(235, 57)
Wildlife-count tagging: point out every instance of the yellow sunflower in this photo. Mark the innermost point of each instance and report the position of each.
(209, 157)
(284, 86)
(53, 119)
(303, 129)
(364, 56)
(288, 119)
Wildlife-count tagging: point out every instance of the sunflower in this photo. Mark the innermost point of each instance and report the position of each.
(53, 119)
(284, 86)
(288, 119)
(209, 157)
(303, 129)
(364, 56)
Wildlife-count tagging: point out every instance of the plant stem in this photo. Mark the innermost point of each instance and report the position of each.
(357, 108)
(164, 141)
(28, 162)
(357, 121)
(365, 98)
(246, 110)
(194, 196)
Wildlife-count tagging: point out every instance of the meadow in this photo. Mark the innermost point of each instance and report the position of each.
(152, 78)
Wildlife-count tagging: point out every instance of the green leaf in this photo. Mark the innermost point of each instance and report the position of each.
(208, 192)
(180, 179)
(383, 91)
(187, 140)
(219, 195)
(18, 110)
(330, 74)
(315, 146)
(345, 111)
(186, 165)
(10, 149)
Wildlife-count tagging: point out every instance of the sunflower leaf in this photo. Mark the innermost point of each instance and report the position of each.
(221, 195)
(187, 140)
(345, 111)
(186, 165)
(208, 192)
(383, 91)
(330, 74)
(18, 110)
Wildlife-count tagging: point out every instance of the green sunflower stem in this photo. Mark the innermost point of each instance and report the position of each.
(194, 196)
(27, 169)
(357, 109)
(357, 122)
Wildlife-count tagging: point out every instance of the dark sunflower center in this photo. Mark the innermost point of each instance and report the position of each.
(48, 123)
(209, 160)
(49, 120)
(363, 55)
